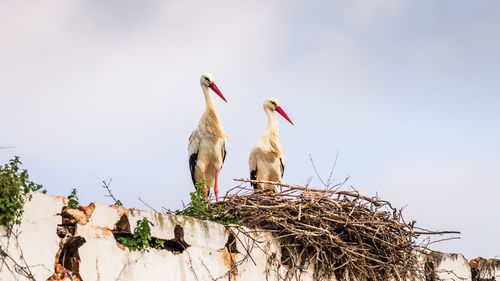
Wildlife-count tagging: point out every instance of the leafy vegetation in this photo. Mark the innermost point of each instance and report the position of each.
(141, 239)
(73, 200)
(15, 189)
(201, 208)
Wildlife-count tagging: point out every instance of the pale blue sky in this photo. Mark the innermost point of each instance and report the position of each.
(406, 91)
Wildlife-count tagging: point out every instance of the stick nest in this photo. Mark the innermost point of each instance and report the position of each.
(336, 232)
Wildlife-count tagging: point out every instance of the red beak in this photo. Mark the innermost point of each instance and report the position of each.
(280, 111)
(216, 90)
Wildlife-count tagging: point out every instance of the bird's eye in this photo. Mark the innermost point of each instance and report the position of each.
(273, 103)
(206, 78)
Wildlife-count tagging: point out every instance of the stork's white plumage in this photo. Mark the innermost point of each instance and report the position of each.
(266, 157)
(207, 143)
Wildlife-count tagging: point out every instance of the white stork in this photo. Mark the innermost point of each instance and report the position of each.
(266, 157)
(207, 145)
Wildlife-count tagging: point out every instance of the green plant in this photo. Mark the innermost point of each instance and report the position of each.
(141, 239)
(15, 188)
(73, 200)
(201, 208)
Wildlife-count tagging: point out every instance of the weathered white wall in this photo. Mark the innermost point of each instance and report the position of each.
(37, 243)
(449, 267)
(206, 257)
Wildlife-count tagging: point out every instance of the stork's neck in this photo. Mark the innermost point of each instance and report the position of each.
(271, 135)
(209, 121)
(209, 101)
(272, 129)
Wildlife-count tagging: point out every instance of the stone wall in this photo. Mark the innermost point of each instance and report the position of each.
(57, 243)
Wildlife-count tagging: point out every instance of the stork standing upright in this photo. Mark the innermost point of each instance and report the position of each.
(266, 157)
(207, 143)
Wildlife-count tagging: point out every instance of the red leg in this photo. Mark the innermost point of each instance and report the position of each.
(205, 186)
(216, 187)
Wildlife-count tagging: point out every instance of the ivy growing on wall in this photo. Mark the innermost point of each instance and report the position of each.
(141, 239)
(15, 189)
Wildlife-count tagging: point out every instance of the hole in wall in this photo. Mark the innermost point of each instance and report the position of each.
(67, 259)
(122, 225)
(231, 244)
(66, 229)
(176, 245)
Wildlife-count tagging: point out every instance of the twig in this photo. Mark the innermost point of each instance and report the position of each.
(338, 192)
(24, 268)
(436, 232)
(147, 205)
(325, 184)
(110, 194)
(444, 239)
(329, 181)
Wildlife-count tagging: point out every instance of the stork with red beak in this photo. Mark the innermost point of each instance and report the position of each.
(207, 143)
(266, 157)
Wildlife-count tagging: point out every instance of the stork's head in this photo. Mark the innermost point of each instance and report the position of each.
(207, 80)
(274, 105)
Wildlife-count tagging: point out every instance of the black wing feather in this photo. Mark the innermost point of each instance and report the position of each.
(253, 176)
(282, 167)
(223, 151)
(192, 165)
